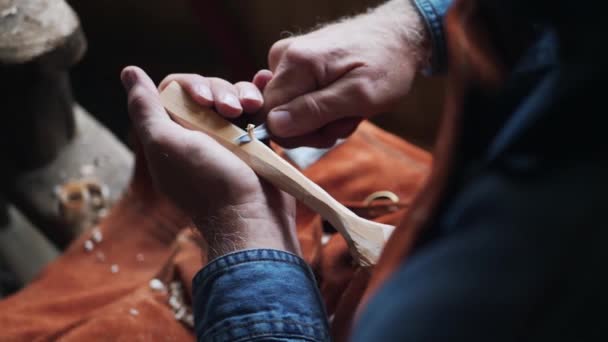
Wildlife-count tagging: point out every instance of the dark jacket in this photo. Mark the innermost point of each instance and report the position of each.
(516, 247)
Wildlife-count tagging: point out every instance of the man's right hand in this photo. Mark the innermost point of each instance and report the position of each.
(326, 81)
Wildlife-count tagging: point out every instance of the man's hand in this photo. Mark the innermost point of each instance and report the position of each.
(326, 81)
(230, 205)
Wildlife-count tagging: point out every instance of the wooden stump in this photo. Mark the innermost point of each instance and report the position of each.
(46, 139)
(94, 152)
(30, 29)
(24, 251)
(39, 41)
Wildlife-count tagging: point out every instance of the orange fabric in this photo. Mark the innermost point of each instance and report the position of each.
(78, 298)
(371, 160)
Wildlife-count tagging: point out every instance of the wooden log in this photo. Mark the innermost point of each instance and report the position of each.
(24, 251)
(94, 152)
(46, 139)
(39, 41)
(365, 238)
(30, 29)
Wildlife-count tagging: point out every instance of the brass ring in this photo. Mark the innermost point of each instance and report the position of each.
(72, 195)
(379, 195)
(77, 197)
(98, 194)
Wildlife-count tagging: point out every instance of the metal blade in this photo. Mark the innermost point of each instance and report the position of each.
(259, 132)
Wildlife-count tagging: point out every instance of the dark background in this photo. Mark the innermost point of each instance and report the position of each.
(228, 39)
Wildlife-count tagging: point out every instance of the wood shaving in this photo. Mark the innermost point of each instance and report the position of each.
(89, 246)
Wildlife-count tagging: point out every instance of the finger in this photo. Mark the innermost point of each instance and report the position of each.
(325, 137)
(196, 86)
(249, 96)
(297, 70)
(316, 140)
(307, 113)
(261, 79)
(277, 51)
(288, 83)
(226, 97)
(147, 113)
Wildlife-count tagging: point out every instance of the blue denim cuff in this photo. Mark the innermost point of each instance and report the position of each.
(258, 294)
(433, 12)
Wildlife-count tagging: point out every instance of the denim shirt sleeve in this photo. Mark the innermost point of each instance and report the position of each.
(432, 12)
(258, 294)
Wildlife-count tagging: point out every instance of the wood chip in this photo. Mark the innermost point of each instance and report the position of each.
(157, 285)
(175, 303)
(189, 320)
(89, 246)
(180, 314)
(102, 213)
(96, 235)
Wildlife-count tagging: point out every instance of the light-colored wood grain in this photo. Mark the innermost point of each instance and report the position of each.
(365, 238)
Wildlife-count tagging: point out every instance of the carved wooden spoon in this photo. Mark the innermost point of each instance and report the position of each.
(365, 238)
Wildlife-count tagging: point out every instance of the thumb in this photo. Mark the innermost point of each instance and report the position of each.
(310, 112)
(147, 113)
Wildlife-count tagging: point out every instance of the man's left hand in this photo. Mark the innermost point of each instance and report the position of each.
(230, 205)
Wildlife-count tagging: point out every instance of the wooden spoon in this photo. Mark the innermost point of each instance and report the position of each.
(365, 238)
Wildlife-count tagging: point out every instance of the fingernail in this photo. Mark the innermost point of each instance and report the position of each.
(252, 95)
(231, 101)
(128, 79)
(204, 92)
(280, 122)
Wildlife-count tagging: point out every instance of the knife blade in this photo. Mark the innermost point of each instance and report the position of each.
(259, 132)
